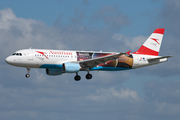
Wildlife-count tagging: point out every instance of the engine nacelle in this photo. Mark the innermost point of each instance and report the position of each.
(54, 71)
(71, 67)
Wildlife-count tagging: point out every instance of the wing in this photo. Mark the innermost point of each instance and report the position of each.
(96, 61)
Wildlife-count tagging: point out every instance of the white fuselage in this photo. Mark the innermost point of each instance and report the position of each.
(35, 58)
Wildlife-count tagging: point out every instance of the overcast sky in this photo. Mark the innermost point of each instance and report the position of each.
(108, 25)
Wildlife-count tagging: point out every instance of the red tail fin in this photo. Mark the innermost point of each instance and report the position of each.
(152, 44)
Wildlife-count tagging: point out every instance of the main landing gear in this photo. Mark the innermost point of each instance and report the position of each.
(28, 71)
(88, 76)
(78, 78)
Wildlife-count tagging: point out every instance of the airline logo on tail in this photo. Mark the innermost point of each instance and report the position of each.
(156, 40)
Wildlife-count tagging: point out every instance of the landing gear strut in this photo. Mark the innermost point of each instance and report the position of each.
(28, 75)
(77, 77)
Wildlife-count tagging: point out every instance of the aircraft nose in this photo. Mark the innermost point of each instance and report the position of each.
(8, 60)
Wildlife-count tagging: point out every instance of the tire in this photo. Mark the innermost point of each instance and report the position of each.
(77, 78)
(88, 76)
(27, 75)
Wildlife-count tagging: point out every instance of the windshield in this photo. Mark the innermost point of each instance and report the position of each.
(17, 54)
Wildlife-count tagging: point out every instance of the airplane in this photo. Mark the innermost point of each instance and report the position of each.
(58, 62)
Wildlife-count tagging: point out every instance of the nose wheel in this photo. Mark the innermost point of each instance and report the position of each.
(27, 75)
(28, 71)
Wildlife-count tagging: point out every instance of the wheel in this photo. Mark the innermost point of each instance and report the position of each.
(88, 76)
(27, 75)
(77, 78)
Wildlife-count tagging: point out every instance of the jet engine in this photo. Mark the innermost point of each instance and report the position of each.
(54, 71)
(71, 67)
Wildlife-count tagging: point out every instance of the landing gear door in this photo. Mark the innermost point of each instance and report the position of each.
(30, 55)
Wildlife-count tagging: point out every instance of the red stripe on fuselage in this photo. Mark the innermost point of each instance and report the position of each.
(146, 51)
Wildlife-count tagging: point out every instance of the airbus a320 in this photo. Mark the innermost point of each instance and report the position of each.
(58, 62)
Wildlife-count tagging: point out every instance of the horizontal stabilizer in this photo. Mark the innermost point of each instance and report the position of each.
(158, 58)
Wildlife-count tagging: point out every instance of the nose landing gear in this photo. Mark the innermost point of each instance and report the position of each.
(28, 75)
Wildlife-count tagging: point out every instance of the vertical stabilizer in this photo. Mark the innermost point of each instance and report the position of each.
(152, 44)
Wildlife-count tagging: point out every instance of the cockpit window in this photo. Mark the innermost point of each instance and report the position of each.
(17, 54)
